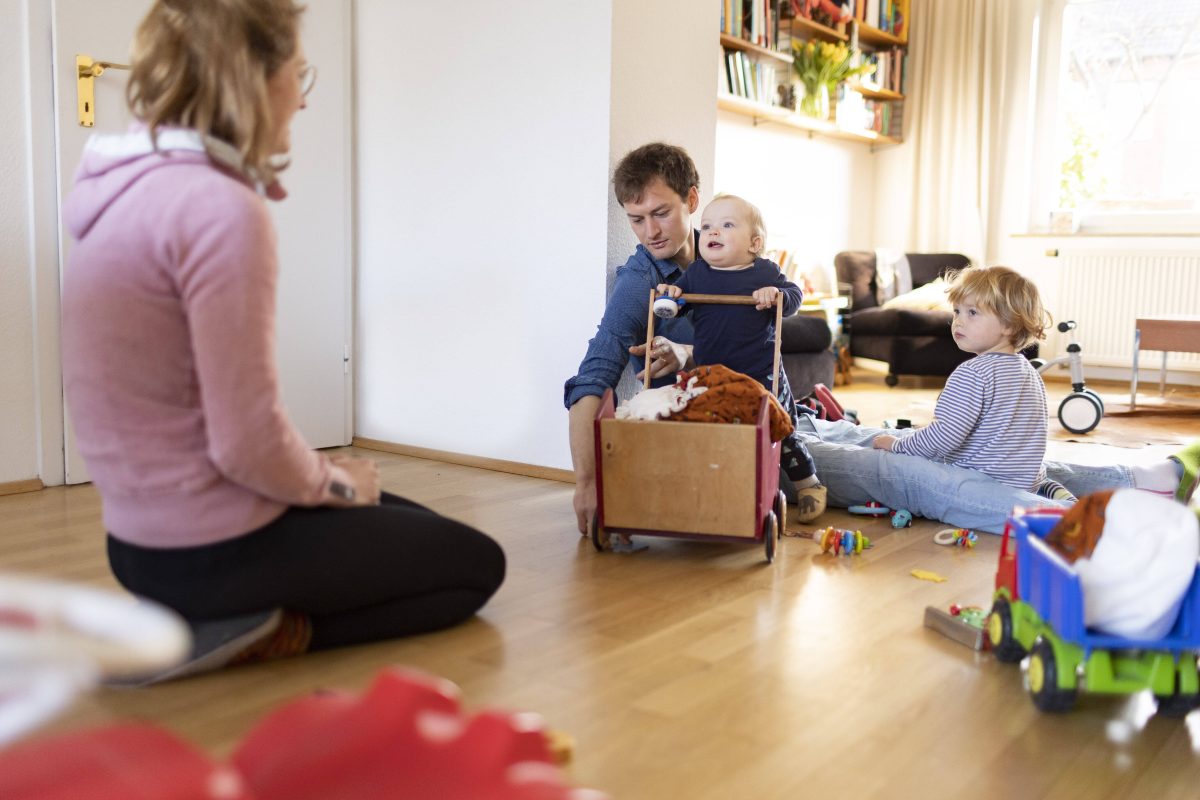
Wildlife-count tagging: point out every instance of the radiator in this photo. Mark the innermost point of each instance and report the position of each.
(1105, 292)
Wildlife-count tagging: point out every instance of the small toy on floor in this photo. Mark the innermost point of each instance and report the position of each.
(926, 575)
(963, 624)
(842, 541)
(901, 517)
(836, 540)
(956, 537)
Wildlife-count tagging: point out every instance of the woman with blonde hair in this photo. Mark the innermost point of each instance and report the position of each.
(215, 505)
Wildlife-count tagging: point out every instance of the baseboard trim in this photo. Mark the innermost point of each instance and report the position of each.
(20, 487)
(494, 464)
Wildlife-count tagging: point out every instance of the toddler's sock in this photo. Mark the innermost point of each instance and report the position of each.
(804, 483)
(1061, 492)
(1161, 478)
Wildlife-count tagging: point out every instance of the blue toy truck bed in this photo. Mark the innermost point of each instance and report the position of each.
(1051, 587)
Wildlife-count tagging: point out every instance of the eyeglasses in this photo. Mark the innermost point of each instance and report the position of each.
(308, 78)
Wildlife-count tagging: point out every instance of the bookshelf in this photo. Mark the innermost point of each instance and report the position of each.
(879, 31)
(756, 72)
(760, 113)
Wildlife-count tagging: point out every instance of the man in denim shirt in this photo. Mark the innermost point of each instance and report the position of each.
(658, 186)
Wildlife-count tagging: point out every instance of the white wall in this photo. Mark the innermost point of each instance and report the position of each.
(485, 225)
(18, 403)
(663, 89)
(815, 194)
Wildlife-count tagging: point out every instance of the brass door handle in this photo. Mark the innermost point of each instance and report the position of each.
(86, 72)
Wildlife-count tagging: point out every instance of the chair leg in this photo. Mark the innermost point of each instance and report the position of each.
(891, 380)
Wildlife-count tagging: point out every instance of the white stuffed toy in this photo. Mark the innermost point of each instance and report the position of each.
(1142, 564)
(660, 403)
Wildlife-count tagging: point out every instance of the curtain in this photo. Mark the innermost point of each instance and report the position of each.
(970, 84)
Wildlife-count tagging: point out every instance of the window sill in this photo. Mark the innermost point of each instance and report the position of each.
(1085, 234)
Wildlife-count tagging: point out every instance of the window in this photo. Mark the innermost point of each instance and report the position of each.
(1119, 125)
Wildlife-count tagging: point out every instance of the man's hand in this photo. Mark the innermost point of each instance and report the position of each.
(585, 504)
(884, 442)
(666, 357)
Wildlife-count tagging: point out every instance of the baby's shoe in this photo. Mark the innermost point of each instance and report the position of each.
(810, 503)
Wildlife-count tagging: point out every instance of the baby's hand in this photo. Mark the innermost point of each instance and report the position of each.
(670, 290)
(765, 297)
(884, 442)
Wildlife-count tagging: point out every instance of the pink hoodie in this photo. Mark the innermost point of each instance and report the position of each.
(168, 344)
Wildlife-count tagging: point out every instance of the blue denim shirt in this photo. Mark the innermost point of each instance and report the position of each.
(624, 325)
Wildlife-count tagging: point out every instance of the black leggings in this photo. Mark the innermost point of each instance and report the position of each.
(794, 460)
(361, 574)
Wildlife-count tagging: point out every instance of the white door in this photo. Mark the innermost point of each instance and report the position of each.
(313, 223)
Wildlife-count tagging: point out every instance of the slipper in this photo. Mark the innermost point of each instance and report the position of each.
(1189, 459)
(215, 643)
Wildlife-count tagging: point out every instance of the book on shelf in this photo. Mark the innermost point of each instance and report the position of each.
(755, 21)
(745, 77)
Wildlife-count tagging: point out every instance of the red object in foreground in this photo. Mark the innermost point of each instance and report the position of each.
(405, 737)
(130, 762)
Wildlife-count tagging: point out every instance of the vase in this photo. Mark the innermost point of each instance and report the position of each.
(815, 102)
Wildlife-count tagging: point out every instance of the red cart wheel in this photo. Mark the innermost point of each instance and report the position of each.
(781, 511)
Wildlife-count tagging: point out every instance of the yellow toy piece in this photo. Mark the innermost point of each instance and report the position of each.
(926, 575)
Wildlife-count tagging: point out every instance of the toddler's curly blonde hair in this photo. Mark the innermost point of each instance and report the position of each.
(1006, 293)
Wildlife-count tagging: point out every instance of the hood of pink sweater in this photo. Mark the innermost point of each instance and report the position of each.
(112, 163)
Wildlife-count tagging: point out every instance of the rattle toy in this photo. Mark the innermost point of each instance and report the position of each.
(666, 307)
(901, 517)
(956, 537)
(841, 541)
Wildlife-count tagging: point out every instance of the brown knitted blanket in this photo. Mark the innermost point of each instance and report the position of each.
(732, 398)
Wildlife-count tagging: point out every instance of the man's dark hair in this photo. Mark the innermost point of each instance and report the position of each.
(640, 167)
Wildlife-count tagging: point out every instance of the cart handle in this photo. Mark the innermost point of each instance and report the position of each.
(726, 300)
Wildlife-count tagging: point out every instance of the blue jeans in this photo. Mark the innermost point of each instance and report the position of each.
(854, 473)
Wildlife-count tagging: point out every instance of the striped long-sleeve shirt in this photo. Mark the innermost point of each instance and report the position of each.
(991, 417)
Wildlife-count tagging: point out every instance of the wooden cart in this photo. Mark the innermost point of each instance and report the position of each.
(687, 479)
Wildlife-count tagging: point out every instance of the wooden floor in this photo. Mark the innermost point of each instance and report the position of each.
(692, 669)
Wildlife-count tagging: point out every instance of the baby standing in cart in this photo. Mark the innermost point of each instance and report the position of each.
(738, 332)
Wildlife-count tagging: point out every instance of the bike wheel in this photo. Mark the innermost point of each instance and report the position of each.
(1080, 412)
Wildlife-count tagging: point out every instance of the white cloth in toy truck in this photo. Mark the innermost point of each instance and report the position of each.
(1135, 554)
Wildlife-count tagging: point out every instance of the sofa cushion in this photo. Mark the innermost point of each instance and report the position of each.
(900, 322)
(924, 267)
(805, 335)
(930, 297)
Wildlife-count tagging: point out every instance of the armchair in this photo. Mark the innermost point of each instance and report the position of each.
(911, 342)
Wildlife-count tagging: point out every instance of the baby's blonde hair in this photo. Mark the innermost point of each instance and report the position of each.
(754, 217)
(1006, 293)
